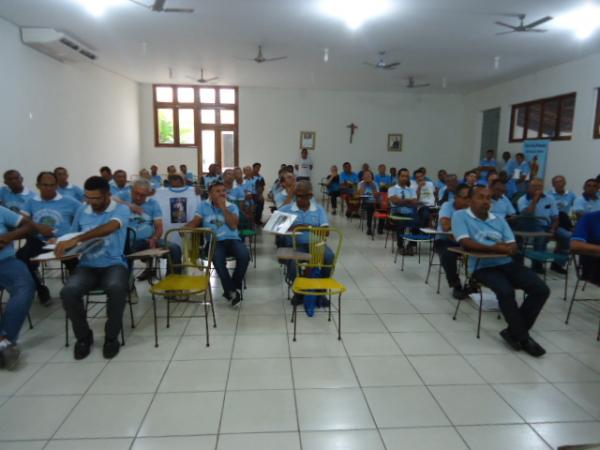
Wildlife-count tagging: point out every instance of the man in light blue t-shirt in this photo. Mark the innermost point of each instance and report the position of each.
(478, 230)
(404, 202)
(102, 266)
(155, 177)
(65, 188)
(120, 189)
(222, 217)
(52, 215)
(589, 201)
(14, 195)
(501, 205)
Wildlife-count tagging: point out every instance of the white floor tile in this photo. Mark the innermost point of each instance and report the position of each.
(402, 323)
(175, 443)
(561, 367)
(316, 345)
(138, 377)
(370, 344)
(341, 440)
(62, 379)
(502, 437)
(586, 395)
(262, 324)
(504, 369)
(14, 379)
(177, 414)
(466, 342)
(264, 373)
(361, 323)
(194, 347)
(332, 409)
(259, 441)
(445, 369)
(23, 445)
(89, 444)
(261, 346)
(375, 371)
(423, 439)
(195, 375)
(259, 411)
(323, 373)
(423, 344)
(559, 434)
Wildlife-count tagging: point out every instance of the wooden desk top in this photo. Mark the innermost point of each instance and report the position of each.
(288, 253)
(434, 231)
(50, 256)
(532, 234)
(149, 253)
(480, 255)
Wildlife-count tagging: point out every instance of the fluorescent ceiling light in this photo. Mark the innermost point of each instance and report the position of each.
(97, 8)
(354, 13)
(584, 21)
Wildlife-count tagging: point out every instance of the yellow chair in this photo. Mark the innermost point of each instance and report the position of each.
(193, 277)
(317, 243)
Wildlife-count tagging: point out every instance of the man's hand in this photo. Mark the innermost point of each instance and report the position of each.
(220, 202)
(152, 242)
(64, 246)
(45, 230)
(506, 249)
(136, 209)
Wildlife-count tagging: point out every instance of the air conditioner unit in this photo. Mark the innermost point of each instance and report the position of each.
(57, 44)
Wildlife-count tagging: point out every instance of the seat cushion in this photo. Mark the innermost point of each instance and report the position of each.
(302, 284)
(174, 282)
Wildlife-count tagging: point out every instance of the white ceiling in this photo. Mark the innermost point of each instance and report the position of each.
(433, 39)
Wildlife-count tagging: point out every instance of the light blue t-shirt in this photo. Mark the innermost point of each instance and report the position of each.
(123, 193)
(586, 205)
(236, 194)
(156, 181)
(404, 192)
(440, 185)
(57, 213)
(442, 193)
(351, 177)
(564, 202)
(280, 198)
(383, 180)
(213, 218)
(446, 212)
(491, 231)
(189, 176)
(210, 179)
(143, 224)
(486, 163)
(369, 190)
(545, 208)
(249, 186)
(70, 190)
(13, 201)
(8, 219)
(510, 167)
(503, 207)
(111, 253)
(314, 216)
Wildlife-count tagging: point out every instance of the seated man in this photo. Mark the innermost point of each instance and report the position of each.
(286, 195)
(589, 201)
(156, 179)
(404, 203)
(147, 222)
(486, 163)
(14, 195)
(562, 196)
(16, 279)
(188, 176)
(425, 194)
(501, 205)
(446, 193)
(259, 184)
(52, 216)
(348, 182)
(440, 183)
(103, 267)
(449, 259)
(120, 189)
(211, 176)
(332, 184)
(586, 240)
(178, 202)
(382, 179)
(308, 213)
(65, 188)
(222, 218)
(477, 230)
(538, 212)
(368, 191)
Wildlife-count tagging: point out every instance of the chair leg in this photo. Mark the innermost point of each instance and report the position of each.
(295, 319)
(340, 316)
(212, 307)
(439, 277)
(168, 313)
(480, 311)
(456, 310)
(572, 301)
(122, 336)
(566, 283)
(66, 331)
(155, 320)
(131, 310)
(30, 322)
(206, 320)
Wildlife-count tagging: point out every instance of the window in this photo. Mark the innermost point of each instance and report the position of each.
(597, 121)
(548, 118)
(203, 117)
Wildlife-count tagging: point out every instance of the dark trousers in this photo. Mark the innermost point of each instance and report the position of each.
(369, 210)
(334, 197)
(234, 249)
(503, 280)
(403, 225)
(113, 280)
(174, 250)
(448, 260)
(258, 211)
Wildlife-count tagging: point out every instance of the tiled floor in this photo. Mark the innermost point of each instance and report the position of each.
(405, 374)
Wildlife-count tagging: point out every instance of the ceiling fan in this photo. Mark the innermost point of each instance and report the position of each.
(522, 27)
(382, 64)
(202, 79)
(413, 85)
(260, 58)
(159, 6)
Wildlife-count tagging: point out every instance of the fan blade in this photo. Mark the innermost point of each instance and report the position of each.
(191, 78)
(274, 59)
(370, 64)
(505, 32)
(391, 66)
(178, 10)
(158, 5)
(502, 24)
(538, 22)
(211, 79)
(421, 85)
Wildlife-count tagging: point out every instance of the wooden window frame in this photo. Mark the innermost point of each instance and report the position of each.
(597, 119)
(541, 102)
(196, 105)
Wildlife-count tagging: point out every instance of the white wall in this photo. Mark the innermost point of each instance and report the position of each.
(82, 117)
(577, 159)
(271, 121)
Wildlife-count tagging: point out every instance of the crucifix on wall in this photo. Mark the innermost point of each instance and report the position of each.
(353, 128)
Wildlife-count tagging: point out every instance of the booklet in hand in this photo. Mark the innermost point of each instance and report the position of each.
(279, 223)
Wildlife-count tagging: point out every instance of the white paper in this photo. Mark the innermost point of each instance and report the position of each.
(64, 237)
(279, 223)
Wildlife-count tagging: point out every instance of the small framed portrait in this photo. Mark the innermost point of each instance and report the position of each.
(394, 143)
(307, 139)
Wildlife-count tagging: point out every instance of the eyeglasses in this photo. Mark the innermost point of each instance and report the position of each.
(304, 195)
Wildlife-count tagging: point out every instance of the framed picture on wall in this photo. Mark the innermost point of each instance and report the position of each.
(394, 143)
(307, 139)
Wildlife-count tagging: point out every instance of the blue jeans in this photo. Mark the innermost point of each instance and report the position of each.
(235, 249)
(16, 279)
(174, 249)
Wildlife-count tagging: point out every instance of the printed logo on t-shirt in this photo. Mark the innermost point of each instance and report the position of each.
(178, 208)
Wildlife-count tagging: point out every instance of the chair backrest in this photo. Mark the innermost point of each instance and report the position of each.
(197, 249)
(384, 202)
(318, 238)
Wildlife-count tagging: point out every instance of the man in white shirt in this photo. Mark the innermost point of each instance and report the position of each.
(304, 166)
(425, 195)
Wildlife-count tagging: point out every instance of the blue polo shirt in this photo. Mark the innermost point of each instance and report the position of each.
(57, 213)
(369, 190)
(249, 186)
(123, 193)
(491, 231)
(546, 207)
(13, 201)
(351, 177)
(503, 207)
(189, 176)
(314, 216)
(213, 218)
(564, 202)
(486, 163)
(8, 219)
(236, 194)
(451, 195)
(334, 186)
(111, 253)
(588, 229)
(70, 190)
(156, 181)
(510, 167)
(143, 224)
(383, 180)
(440, 185)
(446, 212)
(210, 179)
(404, 192)
(584, 204)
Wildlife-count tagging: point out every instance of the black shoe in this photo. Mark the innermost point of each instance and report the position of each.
(555, 267)
(369, 233)
(532, 348)
(111, 348)
(147, 274)
(538, 268)
(334, 212)
(82, 348)
(44, 295)
(323, 302)
(515, 344)
(297, 299)
(459, 293)
(228, 295)
(379, 231)
(236, 299)
(9, 355)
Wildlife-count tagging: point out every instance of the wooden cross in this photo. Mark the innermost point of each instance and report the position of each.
(352, 127)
